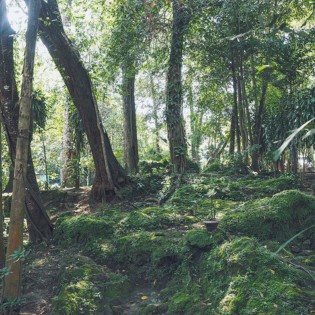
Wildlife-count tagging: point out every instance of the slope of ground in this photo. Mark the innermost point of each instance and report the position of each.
(139, 258)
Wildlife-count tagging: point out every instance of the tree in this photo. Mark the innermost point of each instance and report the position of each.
(12, 281)
(39, 225)
(174, 115)
(2, 246)
(130, 125)
(109, 174)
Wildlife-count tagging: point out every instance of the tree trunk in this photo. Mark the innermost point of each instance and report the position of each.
(12, 282)
(39, 225)
(258, 126)
(193, 127)
(2, 247)
(174, 115)
(109, 174)
(234, 129)
(155, 115)
(130, 125)
(65, 147)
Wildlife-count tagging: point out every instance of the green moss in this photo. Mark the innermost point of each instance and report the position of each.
(86, 288)
(180, 303)
(147, 255)
(245, 278)
(116, 287)
(79, 298)
(278, 217)
(82, 229)
(153, 218)
(201, 238)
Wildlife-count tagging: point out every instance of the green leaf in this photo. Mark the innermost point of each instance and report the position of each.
(277, 153)
(309, 133)
(293, 238)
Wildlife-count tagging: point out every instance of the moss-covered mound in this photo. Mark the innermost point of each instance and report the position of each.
(276, 218)
(237, 277)
(88, 288)
(82, 229)
(154, 218)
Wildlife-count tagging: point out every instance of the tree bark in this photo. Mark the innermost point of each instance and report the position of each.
(2, 247)
(234, 129)
(155, 115)
(130, 125)
(174, 115)
(109, 174)
(39, 225)
(258, 126)
(12, 282)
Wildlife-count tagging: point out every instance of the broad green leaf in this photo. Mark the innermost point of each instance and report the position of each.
(286, 142)
(293, 238)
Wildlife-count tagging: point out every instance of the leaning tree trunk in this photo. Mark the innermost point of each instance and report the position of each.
(39, 225)
(109, 174)
(12, 282)
(130, 126)
(174, 115)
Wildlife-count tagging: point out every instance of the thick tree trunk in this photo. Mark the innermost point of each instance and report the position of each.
(39, 225)
(109, 174)
(130, 125)
(174, 115)
(12, 282)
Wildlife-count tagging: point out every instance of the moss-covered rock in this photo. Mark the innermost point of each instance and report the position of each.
(237, 277)
(82, 229)
(87, 288)
(245, 278)
(202, 239)
(147, 254)
(154, 218)
(278, 217)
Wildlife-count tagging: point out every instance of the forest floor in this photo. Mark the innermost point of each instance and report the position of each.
(134, 257)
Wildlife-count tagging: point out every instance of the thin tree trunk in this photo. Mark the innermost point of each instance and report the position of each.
(2, 246)
(65, 147)
(155, 115)
(234, 130)
(109, 174)
(39, 225)
(130, 125)
(42, 138)
(12, 282)
(174, 115)
(193, 127)
(258, 126)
